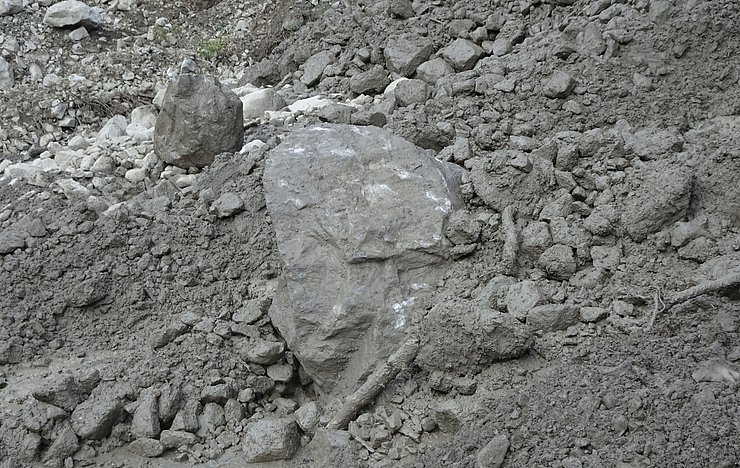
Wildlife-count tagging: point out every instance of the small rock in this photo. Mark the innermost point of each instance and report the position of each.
(255, 104)
(280, 372)
(227, 204)
(219, 393)
(12, 7)
(72, 13)
(149, 448)
(607, 258)
(494, 453)
(404, 53)
(95, 417)
(521, 297)
(79, 34)
(560, 85)
(63, 391)
(270, 440)
(462, 54)
(716, 371)
(400, 9)
(433, 70)
(175, 439)
(187, 418)
(65, 444)
(307, 416)
(408, 92)
(7, 79)
(553, 317)
(374, 79)
(145, 422)
(558, 262)
(213, 417)
(314, 67)
(593, 314)
(264, 352)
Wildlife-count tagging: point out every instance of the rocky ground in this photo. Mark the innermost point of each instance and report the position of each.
(580, 166)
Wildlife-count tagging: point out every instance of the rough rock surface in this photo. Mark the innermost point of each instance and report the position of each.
(200, 119)
(359, 216)
(73, 13)
(270, 439)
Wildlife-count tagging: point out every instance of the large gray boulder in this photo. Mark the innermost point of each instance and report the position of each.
(271, 439)
(73, 13)
(404, 53)
(200, 118)
(359, 216)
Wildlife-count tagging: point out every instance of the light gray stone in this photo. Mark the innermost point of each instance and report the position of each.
(264, 352)
(10, 7)
(409, 92)
(7, 78)
(79, 34)
(380, 231)
(489, 336)
(255, 104)
(200, 118)
(404, 53)
(212, 418)
(227, 204)
(521, 297)
(95, 417)
(145, 422)
(307, 416)
(115, 127)
(175, 439)
(593, 314)
(401, 9)
(146, 447)
(73, 13)
(187, 418)
(553, 317)
(432, 70)
(374, 79)
(65, 444)
(270, 440)
(462, 54)
(63, 391)
(314, 67)
(558, 262)
(494, 453)
(559, 85)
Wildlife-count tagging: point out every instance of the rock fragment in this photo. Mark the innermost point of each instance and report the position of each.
(73, 13)
(404, 53)
(270, 439)
(462, 54)
(558, 262)
(200, 118)
(465, 337)
(314, 67)
(409, 92)
(494, 453)
(553, 317)
(95, 417)
(145, 423)
(7, 79)
(10, 7)
(145, 447)
(559, 85)
(63, 391)
(374, 79)
(255, 104)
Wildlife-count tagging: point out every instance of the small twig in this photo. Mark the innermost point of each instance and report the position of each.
(720, 284)
(511, 241)
(377, 381)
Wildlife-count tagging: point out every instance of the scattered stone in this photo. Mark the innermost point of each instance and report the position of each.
(521, 297)
(408, 92)
(166, 336)
(255, 104)
(7, 79)
(660, 197)
(264, 352)
(95, 417)
(462, 54)
(307, 417)
(489, 336)
(558, 262)
(73, 13)
(560, 85)
(433, 70)
(219, 393)
(79, 34)
(65, 444)
(280, 372)
(200, 119)
(314, 67)
(375, 79)
(187, 418)
(12, 7)
(148, 448)
(228, 204)
(717, 371)
(553, 317)
(607, 258)
(270, 440)
(176, 439)
(404, 53)
(593, 314)
(145, 423)
(494, 453)
(63, 391)
(401, 9)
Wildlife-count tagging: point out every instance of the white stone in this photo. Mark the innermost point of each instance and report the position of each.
(136, 175)
(308, 104)
(10, 7)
